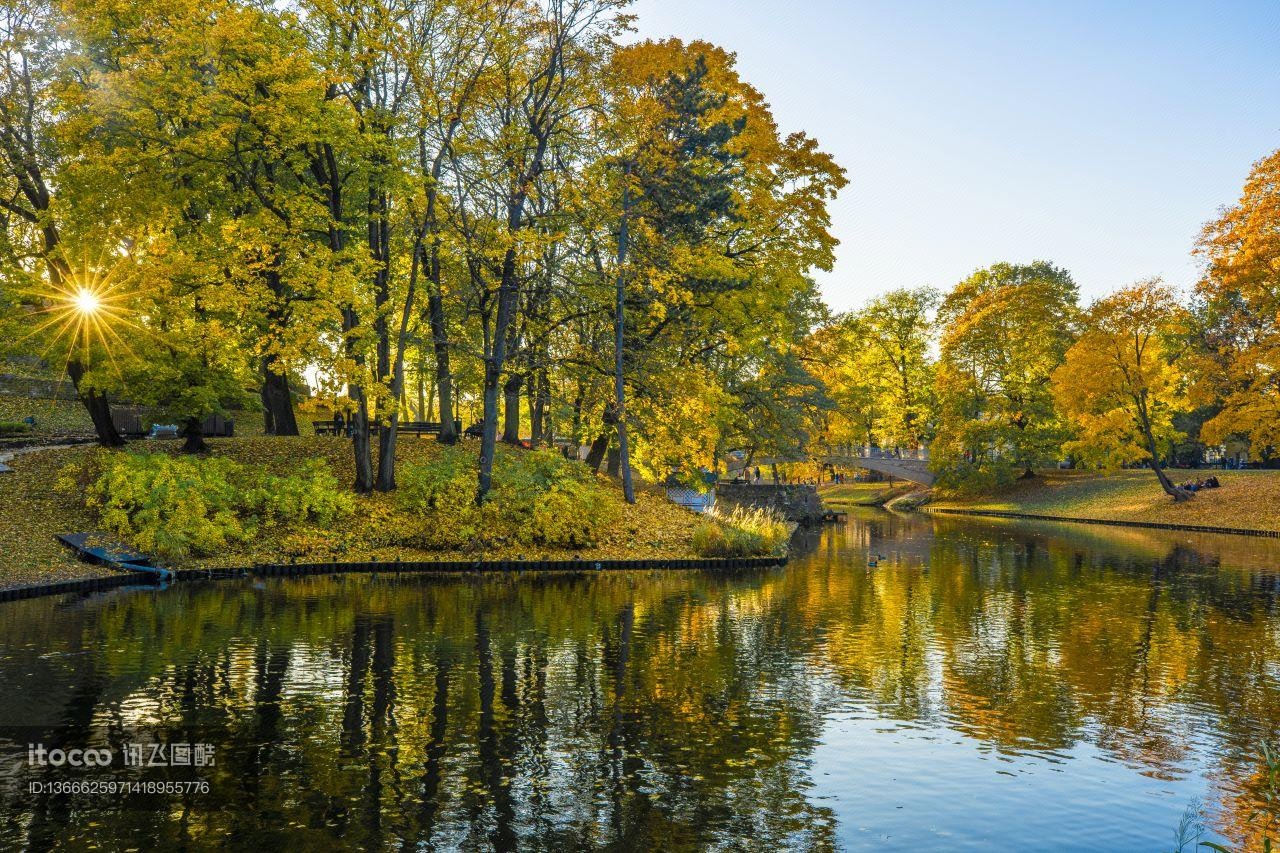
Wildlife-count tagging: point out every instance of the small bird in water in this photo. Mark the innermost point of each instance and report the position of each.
(873, 560)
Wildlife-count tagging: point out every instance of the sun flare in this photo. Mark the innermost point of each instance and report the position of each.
(86, 301)
(87, 309)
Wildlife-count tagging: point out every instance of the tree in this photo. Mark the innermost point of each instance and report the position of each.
(1004, 330)
(852, 375)
(546, 66)
(725, 218)
(1121, 381)
(1238, 358)
(898, 326)
(30, 212)
(191, 124)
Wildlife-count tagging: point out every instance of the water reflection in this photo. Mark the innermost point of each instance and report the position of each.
(986, 684)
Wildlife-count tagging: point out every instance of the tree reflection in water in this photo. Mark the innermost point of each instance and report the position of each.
(656, 710)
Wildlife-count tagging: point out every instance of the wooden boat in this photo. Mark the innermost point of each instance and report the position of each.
(96, 548)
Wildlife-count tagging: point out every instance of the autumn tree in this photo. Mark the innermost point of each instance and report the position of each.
(1122, 380)
(39, 272)
(898, 328)
(1238, 359)
(853, 378)
(1004, 330)
(725, 218)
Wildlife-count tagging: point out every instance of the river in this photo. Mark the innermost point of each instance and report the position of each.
(986, 685)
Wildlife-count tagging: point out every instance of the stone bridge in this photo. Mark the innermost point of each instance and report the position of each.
(913, 466)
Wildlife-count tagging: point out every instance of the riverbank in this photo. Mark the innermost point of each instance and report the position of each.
(35, 509)
(1247, 500)
(842, 496)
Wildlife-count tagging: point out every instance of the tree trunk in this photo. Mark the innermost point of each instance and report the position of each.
(379, 241)
(535, 414)
(1144, 420)
(619, 318)
(575, 422)
(508, 299)
(387, 447)
(278, 401)
(424, 414)
(540, 396)
(511, 408)
(195, 437)
(96, 404)
(440, 344)
(268, 422)
(600, 446)
(494, 361)
(360, 441)
(387, 440)
(325, 167)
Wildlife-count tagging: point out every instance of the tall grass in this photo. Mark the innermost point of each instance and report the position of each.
(742, 533)
(1265, 817)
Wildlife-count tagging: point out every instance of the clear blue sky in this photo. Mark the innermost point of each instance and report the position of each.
(1097, 135)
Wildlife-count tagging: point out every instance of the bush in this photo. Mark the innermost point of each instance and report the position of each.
(443, 493)
(741, 533)
(173, 506)
(537, 498)
(963, 478)
(313, 495)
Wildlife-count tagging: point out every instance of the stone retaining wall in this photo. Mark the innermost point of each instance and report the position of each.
(795, 503)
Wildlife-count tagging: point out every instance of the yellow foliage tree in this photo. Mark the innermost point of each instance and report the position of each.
(1121, 382)
(1239, 362)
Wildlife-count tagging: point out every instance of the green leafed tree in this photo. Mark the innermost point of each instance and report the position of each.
(1003, 332)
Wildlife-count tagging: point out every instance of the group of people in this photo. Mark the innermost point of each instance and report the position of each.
(1197, 485)
(754, 475)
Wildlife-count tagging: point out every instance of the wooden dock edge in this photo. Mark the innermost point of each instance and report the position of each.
(448, 567)
(484, 566)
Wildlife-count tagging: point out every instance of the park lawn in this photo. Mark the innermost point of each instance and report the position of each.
(58, 419)
(54, 418)
(1247, 500)
(32, 511)
(844, 495)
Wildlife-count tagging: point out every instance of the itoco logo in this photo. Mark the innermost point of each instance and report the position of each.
(37, 755)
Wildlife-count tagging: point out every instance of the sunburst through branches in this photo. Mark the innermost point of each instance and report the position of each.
(84, 310)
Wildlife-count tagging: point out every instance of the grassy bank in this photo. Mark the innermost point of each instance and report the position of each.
(846, 495)
(1248, 500)
(375, 527)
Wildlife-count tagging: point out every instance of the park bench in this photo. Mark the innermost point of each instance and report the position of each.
(407, 427)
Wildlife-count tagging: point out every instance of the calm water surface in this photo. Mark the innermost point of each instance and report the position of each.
(987, 686)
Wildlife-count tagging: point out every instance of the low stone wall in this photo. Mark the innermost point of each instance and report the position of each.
(795, 503)
(42, 389)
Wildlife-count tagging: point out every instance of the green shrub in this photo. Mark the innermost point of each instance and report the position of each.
(14, 428)
(537, 498)
(173, 506)
(442, 493)
(963, 478)
(313, 495)
(741, 533)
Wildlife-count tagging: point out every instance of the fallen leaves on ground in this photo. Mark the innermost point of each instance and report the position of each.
(1247, 500)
